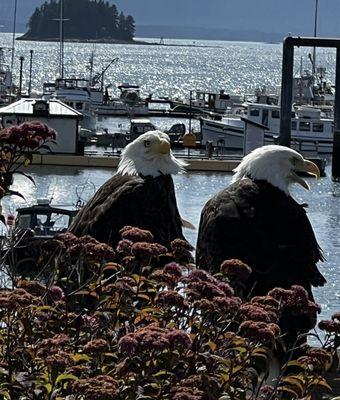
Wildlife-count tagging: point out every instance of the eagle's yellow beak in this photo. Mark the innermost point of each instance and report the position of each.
(307, 167)
(311, 168)
(164, 147)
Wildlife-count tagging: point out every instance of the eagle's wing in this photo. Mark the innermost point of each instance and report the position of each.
(147, 203)
(260, 225)
(103, 215)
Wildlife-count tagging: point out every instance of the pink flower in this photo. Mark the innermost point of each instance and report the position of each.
(96, 346)
(134, 234)
(173, 269)
(236, 270)
(170, 298)
(56, 293)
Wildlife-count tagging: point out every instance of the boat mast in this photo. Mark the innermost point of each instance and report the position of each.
(315, 31)
(61, 21)
(61, 38)
(13, 37)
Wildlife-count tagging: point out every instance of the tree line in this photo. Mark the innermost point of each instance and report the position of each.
(84, 19)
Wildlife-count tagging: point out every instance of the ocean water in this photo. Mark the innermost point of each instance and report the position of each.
(237, 67)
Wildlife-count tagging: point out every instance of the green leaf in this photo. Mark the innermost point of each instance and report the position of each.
(81, 357)
(66, 377)
(45, 147)
(14, 193)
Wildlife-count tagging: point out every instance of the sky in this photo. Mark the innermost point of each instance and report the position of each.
(279, 16)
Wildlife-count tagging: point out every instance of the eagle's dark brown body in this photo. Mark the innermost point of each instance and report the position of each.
(259, 224)
(144, 202)
(262, 226)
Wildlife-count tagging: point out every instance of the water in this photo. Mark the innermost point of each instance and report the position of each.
(65, 184)
(172, 71)
(237, 67)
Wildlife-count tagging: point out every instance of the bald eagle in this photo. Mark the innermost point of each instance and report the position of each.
(257, 221)
(140, 194)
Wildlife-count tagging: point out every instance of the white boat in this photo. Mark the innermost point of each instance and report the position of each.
(311, 131)
(118, 140)
(128, 103)
(207, 102)
(77, 94)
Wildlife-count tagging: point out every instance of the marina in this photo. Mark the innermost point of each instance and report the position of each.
(169, 224)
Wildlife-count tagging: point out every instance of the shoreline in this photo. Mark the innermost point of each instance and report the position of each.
(113, 41)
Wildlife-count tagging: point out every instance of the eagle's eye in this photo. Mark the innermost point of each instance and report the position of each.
(147, 143)
(295, 161)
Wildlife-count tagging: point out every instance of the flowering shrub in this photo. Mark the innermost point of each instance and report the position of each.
(17, 144)
(140, 322)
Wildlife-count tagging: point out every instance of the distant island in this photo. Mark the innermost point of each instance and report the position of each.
(85, 20)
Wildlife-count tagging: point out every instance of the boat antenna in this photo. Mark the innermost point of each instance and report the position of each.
(13, 36)
(61, 21)
(315, 32)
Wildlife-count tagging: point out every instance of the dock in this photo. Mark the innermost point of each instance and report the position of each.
(222, 163)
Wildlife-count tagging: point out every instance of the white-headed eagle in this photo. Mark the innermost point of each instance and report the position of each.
(257, 221)
(140, 194)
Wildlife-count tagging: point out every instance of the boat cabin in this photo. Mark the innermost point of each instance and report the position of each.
(217, 102)
(305, 120)
(139, 126)
(44, 219)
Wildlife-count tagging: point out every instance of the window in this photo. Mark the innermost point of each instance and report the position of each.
(79, 106)
(255, 112)
(305, 126)
(275, 114)
(317, 127)
(294, 125)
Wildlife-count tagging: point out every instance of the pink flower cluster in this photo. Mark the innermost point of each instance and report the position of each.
(96, 346)
(134, 234)
(257, 313)
(101, 387)
(201, 285)
(316, 359)
(17, 299)
(169, 276)
(295, 299)
(189, 393)
(29, 135)
(182, 249)
(154, 338)
(169, 299)
(52, 345)
(38, 289)
(235, 270)
(259, 332)
(144, 251)
(124, 247)
(87, 246)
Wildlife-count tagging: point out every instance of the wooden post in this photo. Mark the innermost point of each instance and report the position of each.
(20, 76)
(336, 137)
(30, 74)
(286, 92)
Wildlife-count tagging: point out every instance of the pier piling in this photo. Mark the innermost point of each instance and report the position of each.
(287, 87)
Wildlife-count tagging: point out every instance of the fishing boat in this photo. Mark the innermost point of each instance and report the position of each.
(33, 226)
(207, 102)
(74, 92)
(311, 130)
(128, 103)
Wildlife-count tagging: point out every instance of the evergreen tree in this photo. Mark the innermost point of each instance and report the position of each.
(86, 19)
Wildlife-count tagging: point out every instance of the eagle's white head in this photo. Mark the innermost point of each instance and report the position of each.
(150, 154)
(277, 165)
